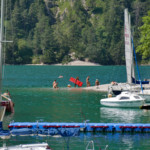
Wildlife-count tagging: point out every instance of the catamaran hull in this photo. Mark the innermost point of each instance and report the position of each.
(133, 104)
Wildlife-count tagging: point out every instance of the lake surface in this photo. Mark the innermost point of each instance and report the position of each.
(34, 98)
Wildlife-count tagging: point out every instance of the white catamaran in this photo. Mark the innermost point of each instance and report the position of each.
(132, 84)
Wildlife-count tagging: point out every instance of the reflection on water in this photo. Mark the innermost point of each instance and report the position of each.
(115, 141)
(124, 115)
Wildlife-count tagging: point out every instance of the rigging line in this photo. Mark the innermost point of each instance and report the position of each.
(11, 24)
(12, 31)
(137, 64)
(142, 44)
(4, 47)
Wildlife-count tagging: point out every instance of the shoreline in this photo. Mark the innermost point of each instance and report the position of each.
(78, 63)
(72, 63)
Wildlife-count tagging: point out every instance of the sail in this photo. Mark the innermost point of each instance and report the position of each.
(128, 47)
(132, 65)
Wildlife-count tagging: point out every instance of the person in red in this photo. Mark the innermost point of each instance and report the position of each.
(77, 79)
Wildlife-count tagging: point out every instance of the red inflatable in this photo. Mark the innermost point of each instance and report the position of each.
(77, 82)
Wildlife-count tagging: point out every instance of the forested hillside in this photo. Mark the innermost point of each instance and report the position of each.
(58, 31)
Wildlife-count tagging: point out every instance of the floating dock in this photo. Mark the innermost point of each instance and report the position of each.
(45, 128)
(99, 88)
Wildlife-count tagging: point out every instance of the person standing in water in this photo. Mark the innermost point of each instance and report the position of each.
(87, 81)
(97, 82)
(77, 79)
(55, 84)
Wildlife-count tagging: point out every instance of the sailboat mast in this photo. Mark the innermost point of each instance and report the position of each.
(128, 55)
(128, 47)
(132, 65)
(1, 40)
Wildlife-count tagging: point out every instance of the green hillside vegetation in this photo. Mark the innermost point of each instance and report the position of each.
(59, 31)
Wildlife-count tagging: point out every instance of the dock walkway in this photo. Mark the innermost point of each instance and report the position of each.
(49, 128)
(100, 88)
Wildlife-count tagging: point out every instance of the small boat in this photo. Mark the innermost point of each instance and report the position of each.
(40, 146)
(125, 99)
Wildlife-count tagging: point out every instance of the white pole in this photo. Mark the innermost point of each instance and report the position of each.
(1, 39)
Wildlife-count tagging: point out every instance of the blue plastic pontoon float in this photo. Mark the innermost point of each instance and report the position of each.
(46, 128)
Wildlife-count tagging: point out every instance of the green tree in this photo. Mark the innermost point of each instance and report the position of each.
(144, 44)
(93, 29)
(24, 52)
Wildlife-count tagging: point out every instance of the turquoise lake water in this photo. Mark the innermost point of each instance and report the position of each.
(34, 98)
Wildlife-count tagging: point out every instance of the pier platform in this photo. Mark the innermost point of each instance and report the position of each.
(119, 86)
(100, 88)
